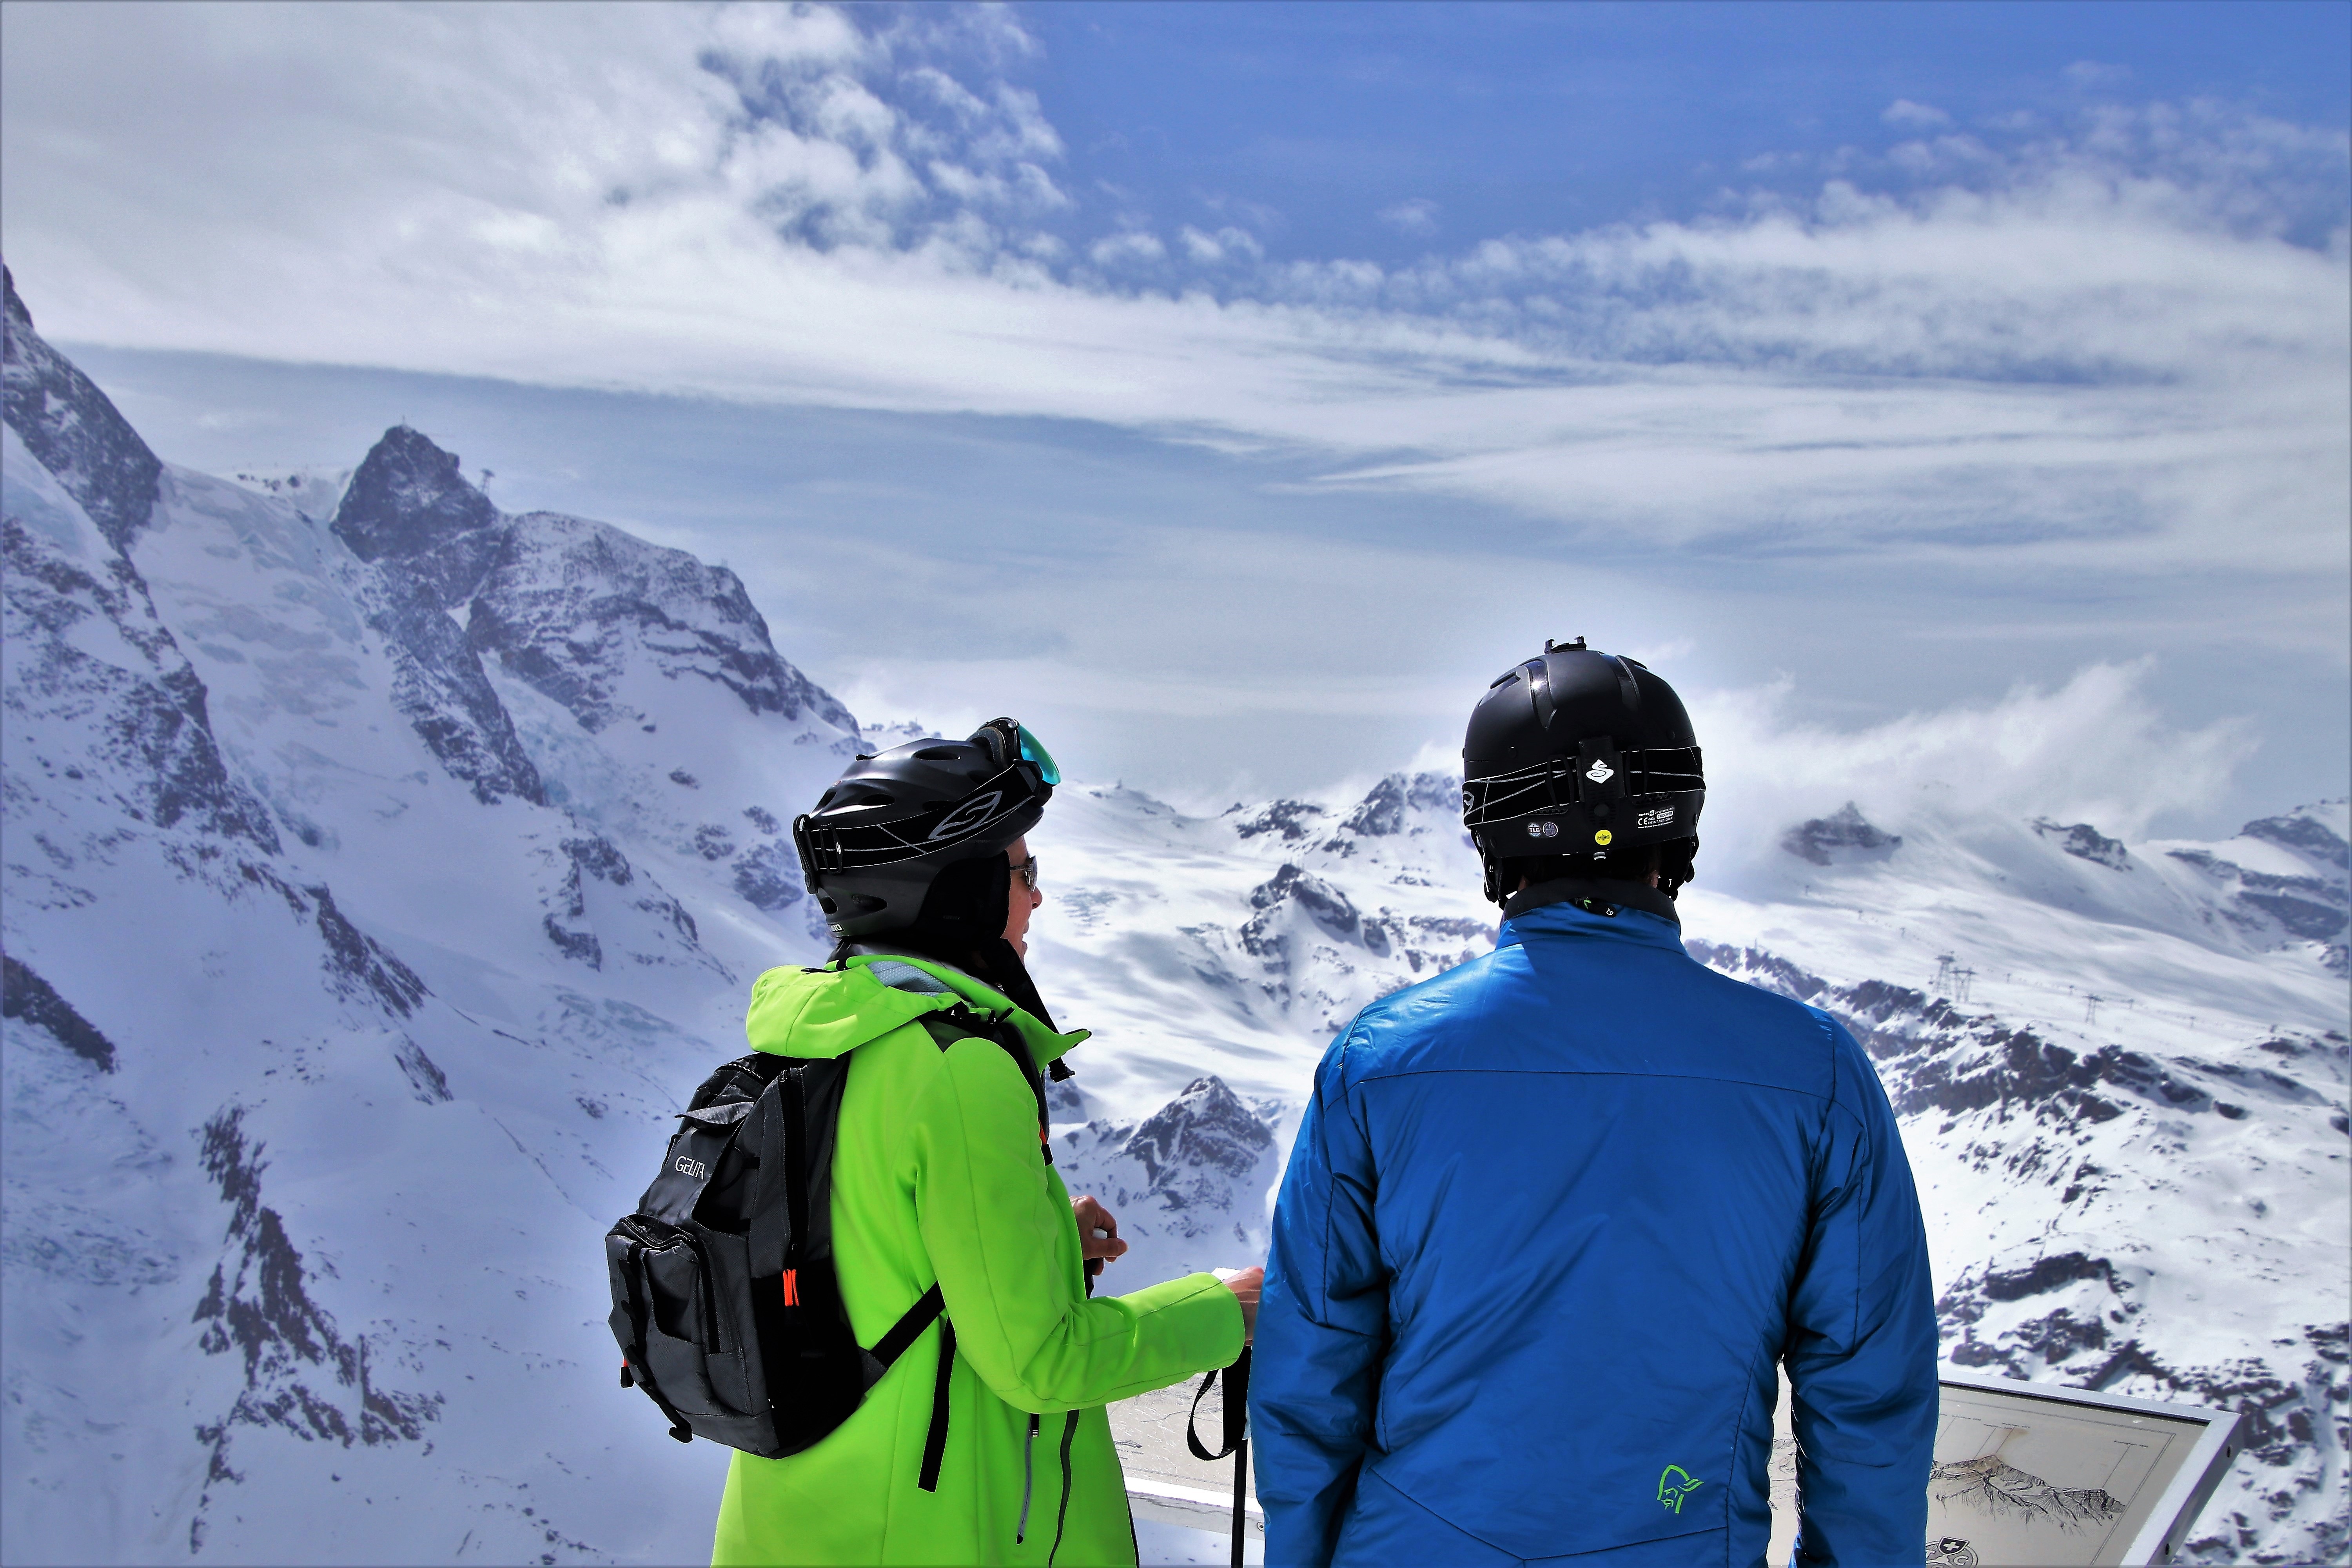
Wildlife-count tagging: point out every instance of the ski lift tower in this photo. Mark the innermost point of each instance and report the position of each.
(1946, 965)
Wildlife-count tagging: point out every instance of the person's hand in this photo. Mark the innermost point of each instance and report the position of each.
(1245, 1286)
(1098, 1240)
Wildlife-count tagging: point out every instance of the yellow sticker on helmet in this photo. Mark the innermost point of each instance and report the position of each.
(1602, 836)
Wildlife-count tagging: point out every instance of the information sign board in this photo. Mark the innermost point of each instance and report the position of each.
(2058, 1477)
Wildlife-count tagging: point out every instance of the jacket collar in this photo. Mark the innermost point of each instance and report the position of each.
(946, 980)
(1626, 910)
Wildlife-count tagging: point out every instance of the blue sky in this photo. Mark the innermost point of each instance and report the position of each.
(1232, 389)
(1536, 119)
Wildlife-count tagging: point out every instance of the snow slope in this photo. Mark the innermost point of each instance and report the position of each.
(382, 870)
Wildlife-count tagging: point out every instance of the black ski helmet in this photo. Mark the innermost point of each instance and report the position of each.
(889, 826)
(1576, 755)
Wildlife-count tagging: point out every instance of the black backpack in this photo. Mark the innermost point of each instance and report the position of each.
(724, 1299)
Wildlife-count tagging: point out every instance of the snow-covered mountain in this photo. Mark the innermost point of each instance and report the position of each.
(382, 870)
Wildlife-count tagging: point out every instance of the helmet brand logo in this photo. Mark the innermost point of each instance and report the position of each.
(1656, 817)
(1600, 771)
(967, 816)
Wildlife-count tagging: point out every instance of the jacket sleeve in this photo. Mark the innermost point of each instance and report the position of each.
(1861, 1337)
(1322, 1329)
(999, 1230)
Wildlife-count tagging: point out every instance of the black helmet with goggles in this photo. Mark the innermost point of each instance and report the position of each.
(878, 838)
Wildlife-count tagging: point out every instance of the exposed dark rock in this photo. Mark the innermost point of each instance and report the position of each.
(568, 600)
(1325, 905)
(24, 995)
(431, 536)
(1382, 813)
(1846, 836)
(762, 820)
(73, 429)
(2085, 842)
(769, 876)
(148, 733)
(2299, 917)
(2313, 908)
(439, 686)
(713, 842)
(1932, 1057)
(1288, 817)
(300, 1372)
(424, 1075)
(566, 921)
(600, 858)
(1447, 925)
(2306, 836)
(358, 958)
(1773, 972)
(1206, 1128)
(2046, 1274)
(409, 504)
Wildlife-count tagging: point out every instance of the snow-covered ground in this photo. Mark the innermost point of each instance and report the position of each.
(382, 870)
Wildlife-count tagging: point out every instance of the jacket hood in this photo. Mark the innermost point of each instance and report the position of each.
(819, 1014)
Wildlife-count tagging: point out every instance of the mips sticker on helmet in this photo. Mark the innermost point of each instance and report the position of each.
(1656, 817)
(967, 816)
(1603, 837)
(1600, 771)
(1543, 830)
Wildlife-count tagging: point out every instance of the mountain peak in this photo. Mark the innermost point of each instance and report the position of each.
(17, 315)
(408, 497)
(73, 430)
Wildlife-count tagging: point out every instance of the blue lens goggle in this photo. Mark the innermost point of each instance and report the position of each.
(1010, 741)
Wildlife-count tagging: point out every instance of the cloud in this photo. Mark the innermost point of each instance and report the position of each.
(1914, 116)
(2094, 749)
(1228, 244)
(1130, 245)
(1417, 217)
(2114, 344)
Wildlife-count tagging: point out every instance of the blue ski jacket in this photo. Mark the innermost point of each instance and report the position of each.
(1550, 1220)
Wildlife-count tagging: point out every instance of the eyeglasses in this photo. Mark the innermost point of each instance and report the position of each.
(1010, 741)
(1027, 871)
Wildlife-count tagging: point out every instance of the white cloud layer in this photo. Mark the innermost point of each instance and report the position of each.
(2061, 348)
(2094, 749)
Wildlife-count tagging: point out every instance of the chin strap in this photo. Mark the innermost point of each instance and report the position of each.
(1676, 865)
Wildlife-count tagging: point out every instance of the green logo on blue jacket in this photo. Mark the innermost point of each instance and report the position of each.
(1677, 1484)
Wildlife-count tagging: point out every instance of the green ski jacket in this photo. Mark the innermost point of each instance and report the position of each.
(939, 1176)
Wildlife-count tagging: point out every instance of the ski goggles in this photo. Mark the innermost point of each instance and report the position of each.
(1009, 742)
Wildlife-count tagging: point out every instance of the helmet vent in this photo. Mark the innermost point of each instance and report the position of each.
(941, 754)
